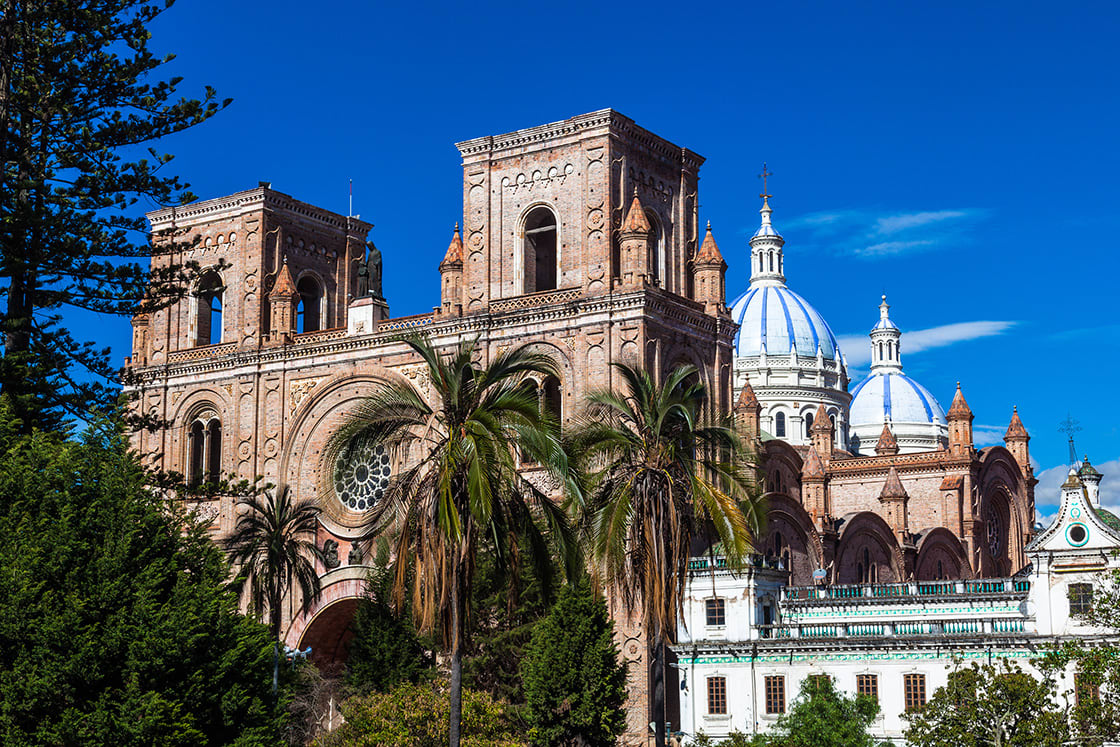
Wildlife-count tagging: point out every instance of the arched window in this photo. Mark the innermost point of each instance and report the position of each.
(808, 424)
(310, 303)
(880, 351)
(551, 399)
(540, 250)
(210, 290)
(204, 449)
(780, 425)
(832, 420)
(771, 255)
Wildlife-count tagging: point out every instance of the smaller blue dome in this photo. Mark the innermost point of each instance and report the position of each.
(885, 324)
(893, 396)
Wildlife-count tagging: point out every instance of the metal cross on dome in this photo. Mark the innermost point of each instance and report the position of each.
(765, 195)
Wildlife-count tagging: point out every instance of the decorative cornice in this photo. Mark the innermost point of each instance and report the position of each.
(601, 122)
(259, 198)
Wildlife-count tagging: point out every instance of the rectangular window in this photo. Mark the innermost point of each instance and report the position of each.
(868, 684)
(717, 696)
(1080, 599)
(775, 694)
(1085, 690)
(914, 690)
(714, 613)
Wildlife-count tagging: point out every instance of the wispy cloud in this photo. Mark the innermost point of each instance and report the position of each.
(884, 248)
(871, 235)
(857, 348)
(904, 221)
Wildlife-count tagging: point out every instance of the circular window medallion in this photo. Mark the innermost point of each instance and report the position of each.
(1077, 534)
(362, 476)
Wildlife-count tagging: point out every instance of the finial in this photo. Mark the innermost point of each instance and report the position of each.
(765, 194)
(958, 386)
(1014, 409)
(884, 298)
(709, 225)
(635, 190)
(456, 226)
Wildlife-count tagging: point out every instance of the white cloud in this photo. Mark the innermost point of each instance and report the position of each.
(857, 348)
(947, 334)
(884, 248)
(895, 223)
(988, 435)
(871, 235)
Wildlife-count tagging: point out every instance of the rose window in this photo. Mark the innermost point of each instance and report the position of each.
(362, 476)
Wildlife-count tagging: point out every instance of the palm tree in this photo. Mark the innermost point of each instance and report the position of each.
(273, 547)
(656, 478)
(460, 484)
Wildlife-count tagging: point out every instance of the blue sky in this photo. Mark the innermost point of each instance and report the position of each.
(959, 157)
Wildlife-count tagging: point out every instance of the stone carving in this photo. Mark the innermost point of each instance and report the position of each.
(417, 373)
(297, 390)
(537, 179)
(355, 556)
(330, 554)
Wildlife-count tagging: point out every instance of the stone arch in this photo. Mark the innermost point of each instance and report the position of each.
(189, 409)
(1005, 500)
(325, 626)
(791, 537)
(867, 551)
(540, 250)
(314, 420)
(685, 354)
(941, 556)
(312, 313)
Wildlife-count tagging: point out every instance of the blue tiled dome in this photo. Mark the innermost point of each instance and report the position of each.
(777, 316)
(893, 396)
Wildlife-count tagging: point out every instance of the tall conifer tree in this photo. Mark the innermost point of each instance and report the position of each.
(79, 111)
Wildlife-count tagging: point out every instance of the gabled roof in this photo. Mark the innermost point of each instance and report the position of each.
(1078, 526)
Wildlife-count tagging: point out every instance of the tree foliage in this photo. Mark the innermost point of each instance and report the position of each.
(464, 484)
(78, 106)
(273, 549)
(990, 706)
(821, 716)
(385, 649)
(575, 686)
(657, 478)
(115, 623)
(416, 715)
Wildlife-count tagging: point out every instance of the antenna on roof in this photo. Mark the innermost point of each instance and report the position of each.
(351, 213)
(1069, 426)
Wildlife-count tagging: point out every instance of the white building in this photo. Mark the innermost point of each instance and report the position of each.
(749, 640)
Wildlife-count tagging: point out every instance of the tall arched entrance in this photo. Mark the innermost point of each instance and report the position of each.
(326, 626)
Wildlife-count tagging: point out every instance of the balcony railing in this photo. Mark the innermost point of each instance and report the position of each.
(907, 590)
(891, 629)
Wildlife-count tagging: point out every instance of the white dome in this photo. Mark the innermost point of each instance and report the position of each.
(893, 396)
(779, 318)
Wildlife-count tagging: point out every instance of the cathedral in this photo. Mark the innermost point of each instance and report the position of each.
(583, 239)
